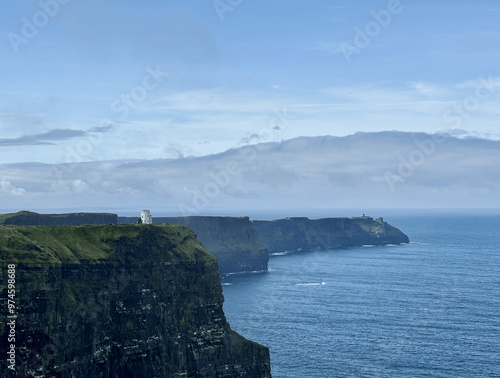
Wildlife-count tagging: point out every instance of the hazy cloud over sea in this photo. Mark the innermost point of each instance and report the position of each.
(364, 170)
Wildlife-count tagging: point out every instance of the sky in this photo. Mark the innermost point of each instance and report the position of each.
(86, 81)
(108, 104)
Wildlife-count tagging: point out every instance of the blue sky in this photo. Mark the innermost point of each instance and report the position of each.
(105, 80)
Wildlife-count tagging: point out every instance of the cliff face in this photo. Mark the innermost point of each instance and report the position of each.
(240, 244)
(293, 234)
(29, 218)
(232, 240)
(119, 301)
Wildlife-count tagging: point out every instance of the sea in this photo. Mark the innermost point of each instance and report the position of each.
(430, 308)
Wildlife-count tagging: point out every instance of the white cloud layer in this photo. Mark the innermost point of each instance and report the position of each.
(364, 170)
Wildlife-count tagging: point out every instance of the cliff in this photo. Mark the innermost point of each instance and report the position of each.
(232, 240)
(119, 301)
(29, 218)
(243, 245)
(292, 234)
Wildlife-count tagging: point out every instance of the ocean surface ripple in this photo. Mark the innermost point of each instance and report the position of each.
(426, 309)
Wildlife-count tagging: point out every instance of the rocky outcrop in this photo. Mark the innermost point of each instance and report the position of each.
(29, 218)
(119, 301)
(292, 234)
(232, 240)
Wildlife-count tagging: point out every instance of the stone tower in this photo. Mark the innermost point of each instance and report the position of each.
(146, 217)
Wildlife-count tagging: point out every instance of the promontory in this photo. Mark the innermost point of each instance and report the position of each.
(117, 301)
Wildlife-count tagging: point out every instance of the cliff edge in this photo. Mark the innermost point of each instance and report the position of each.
(30, 218)
(119, 301)
(232, 240)
(292, 234)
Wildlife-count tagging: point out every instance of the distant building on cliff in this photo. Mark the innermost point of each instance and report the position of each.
(146, 217)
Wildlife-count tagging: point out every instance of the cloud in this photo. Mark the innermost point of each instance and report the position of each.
(53, 136)
(214, 101)
(7, 188)
(106, 126)
(427, 89)
(41, 139)
(177, 151)
(252, 139)
(490, 82)
(353, 171)
(229, 118)
(79, 186)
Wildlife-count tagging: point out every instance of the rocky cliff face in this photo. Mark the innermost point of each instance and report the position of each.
(119, 301)
(293, 234)
(232, 240)
(29, 218)
(240, 244)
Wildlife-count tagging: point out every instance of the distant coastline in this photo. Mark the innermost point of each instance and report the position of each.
(239, 243)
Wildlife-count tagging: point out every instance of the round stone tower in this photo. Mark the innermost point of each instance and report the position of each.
(146, 217)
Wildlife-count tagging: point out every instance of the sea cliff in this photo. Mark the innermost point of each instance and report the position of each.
(240, 244)
(30, 218)
(232, 240)
(119, 301)
(292, 234)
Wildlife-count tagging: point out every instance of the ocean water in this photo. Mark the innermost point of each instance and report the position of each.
(426, 309)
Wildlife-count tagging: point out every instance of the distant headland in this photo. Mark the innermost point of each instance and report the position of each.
(239, 243)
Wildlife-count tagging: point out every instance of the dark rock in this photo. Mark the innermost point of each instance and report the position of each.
(292, 234)
(119, 301)
(232, 240)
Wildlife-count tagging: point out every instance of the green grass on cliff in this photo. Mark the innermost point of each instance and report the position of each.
(4, 217)
(55, 245)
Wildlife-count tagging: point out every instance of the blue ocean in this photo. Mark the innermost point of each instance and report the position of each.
(430, 308)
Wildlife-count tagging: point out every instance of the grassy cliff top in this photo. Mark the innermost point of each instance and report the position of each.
(4, 217)
(26, 213)
(56, 245)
